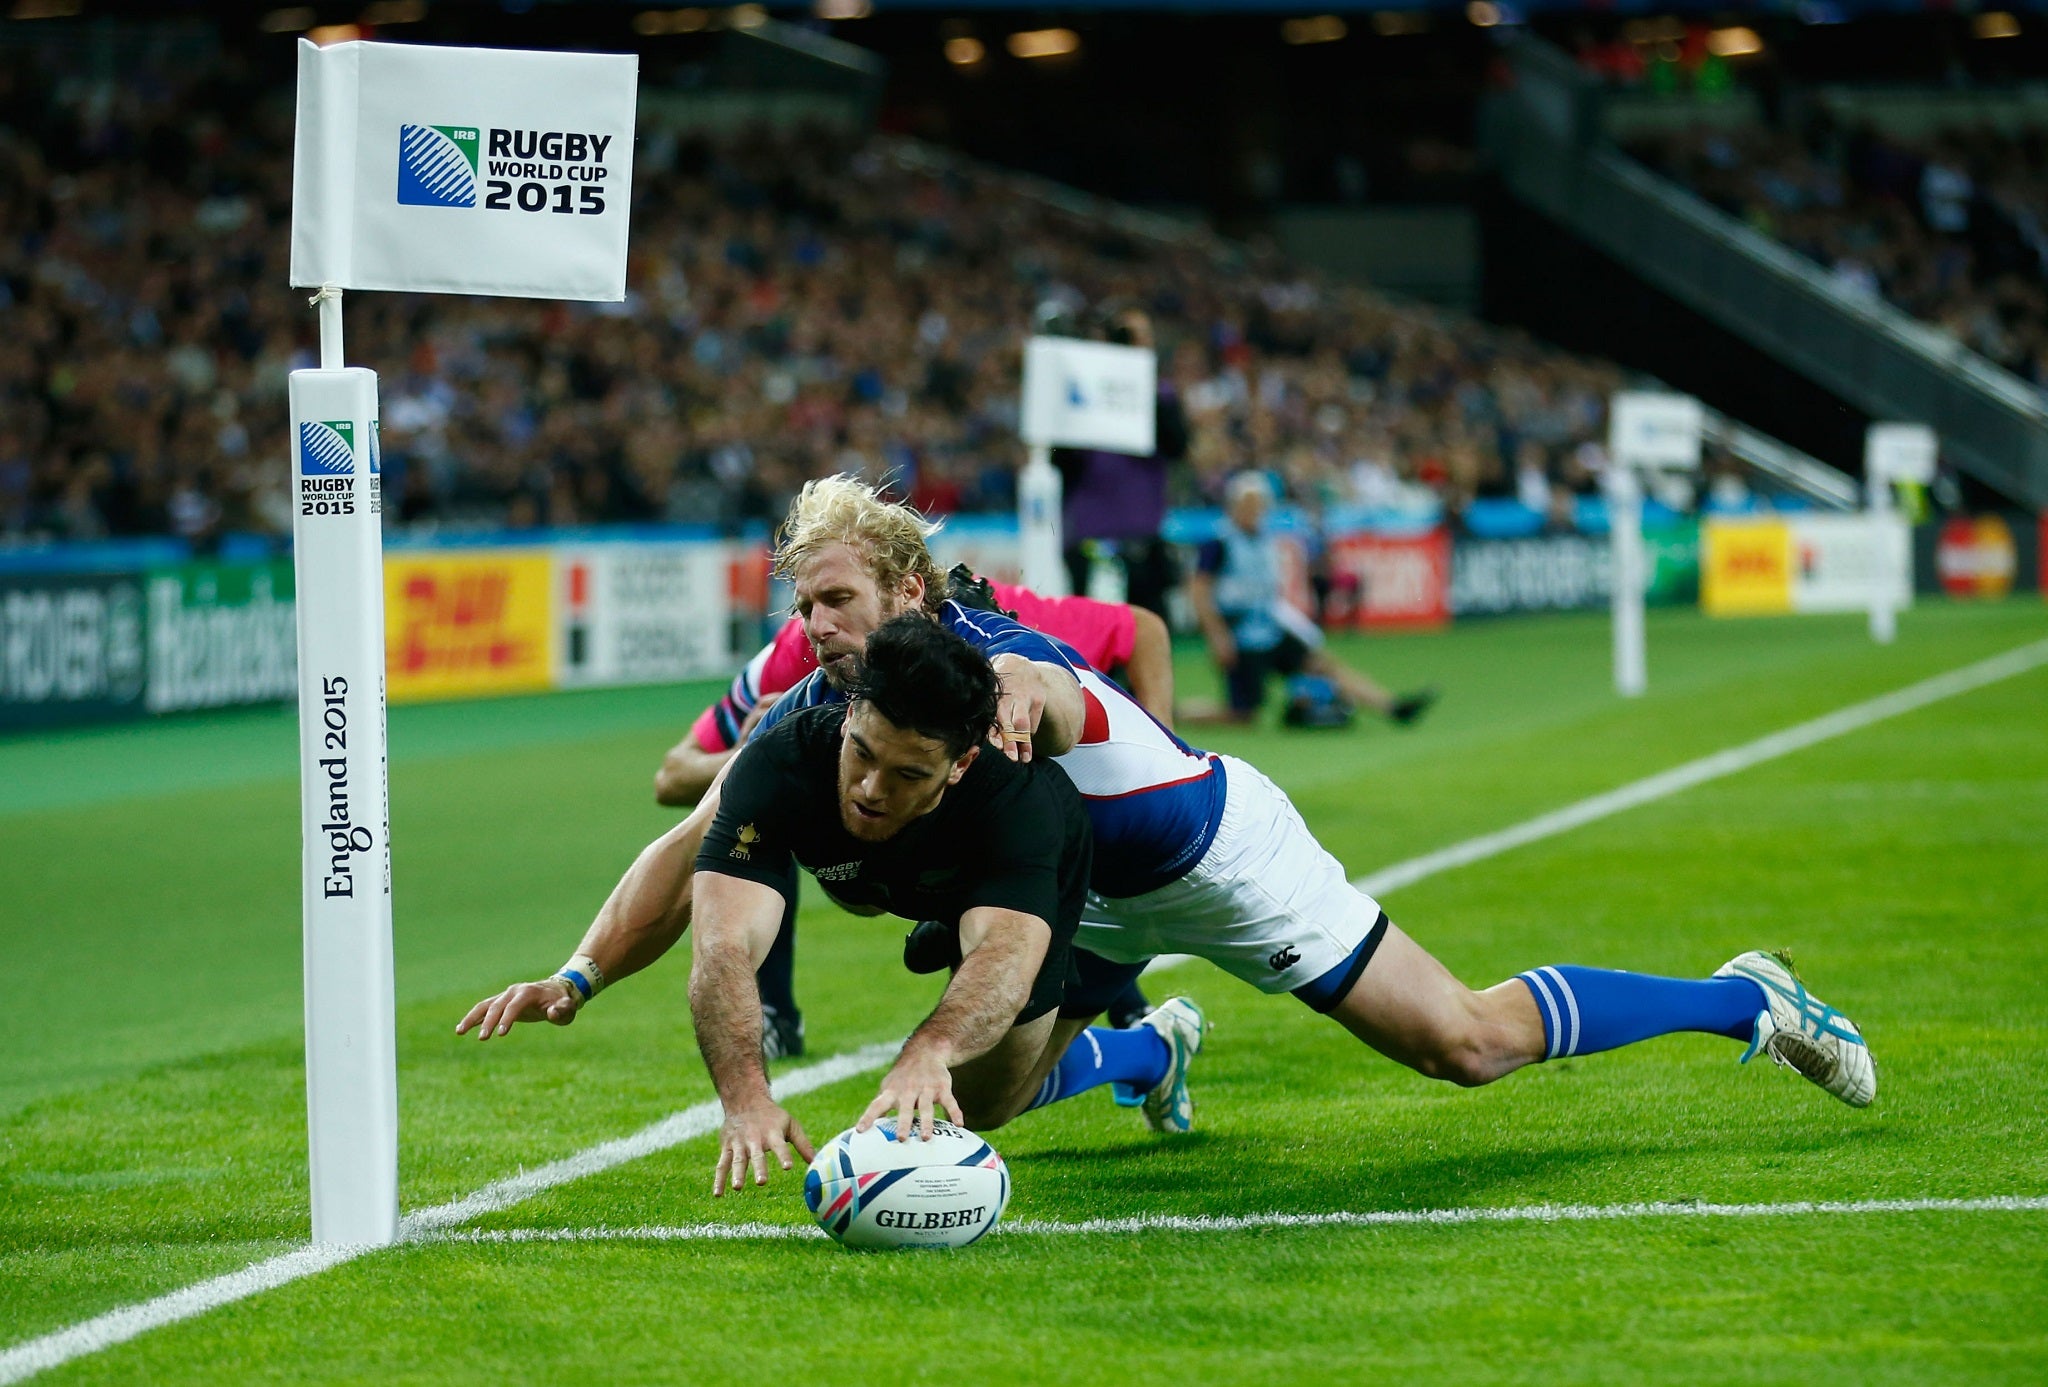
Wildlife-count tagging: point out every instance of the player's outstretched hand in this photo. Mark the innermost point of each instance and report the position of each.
(918, 1086)
(551, 999)
(749, 1138)
(1021, 706)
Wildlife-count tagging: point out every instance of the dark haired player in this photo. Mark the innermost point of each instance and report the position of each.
(1127, 643)
(889, 802)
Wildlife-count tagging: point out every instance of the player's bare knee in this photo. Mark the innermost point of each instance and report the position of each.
(1468, 1050)
(987, 1115)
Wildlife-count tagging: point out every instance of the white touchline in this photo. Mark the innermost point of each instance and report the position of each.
(1665, 784)
(1231, 1223)
(118, 1326)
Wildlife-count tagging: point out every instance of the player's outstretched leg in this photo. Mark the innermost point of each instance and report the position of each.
(1410, 1008)
(1152, 1058)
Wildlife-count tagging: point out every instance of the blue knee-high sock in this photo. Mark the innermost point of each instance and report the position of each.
(1587, 1010)
(1138, 1057)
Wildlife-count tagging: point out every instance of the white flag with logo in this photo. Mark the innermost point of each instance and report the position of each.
(463, 170)
(1089, 395)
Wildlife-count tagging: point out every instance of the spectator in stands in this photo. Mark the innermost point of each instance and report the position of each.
(1950, 231)
(1253, 631)
(142, 274)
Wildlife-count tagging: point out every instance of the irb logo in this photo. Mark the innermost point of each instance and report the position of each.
(327, 448)
(437, 165)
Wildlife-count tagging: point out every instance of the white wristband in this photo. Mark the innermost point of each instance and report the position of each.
(583, 975)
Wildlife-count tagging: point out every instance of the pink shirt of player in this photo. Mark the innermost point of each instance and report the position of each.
(1103, 632)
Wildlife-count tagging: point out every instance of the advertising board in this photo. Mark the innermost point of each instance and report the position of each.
(72, 648)
(221, 634)
(464, 624)
(1402, 580)
(642, 613)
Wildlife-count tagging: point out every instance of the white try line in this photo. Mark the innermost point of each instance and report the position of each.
(1235, 1223)
(118, 1326)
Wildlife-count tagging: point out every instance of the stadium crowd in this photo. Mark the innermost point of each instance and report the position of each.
(797, 306)
(1954, 229)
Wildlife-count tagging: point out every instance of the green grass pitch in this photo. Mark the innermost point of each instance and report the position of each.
(152, 1127)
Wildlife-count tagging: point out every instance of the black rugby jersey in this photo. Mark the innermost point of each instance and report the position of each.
(1007, 835)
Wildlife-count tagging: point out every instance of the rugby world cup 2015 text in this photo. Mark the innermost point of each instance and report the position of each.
(552, 170)
(345, 838)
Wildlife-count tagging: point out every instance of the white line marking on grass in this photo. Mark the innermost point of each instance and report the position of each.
(1664, 784)
(118, 1326)
(1229, 1223)
(673, 1130)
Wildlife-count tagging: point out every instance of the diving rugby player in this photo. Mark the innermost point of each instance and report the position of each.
(1198, 853)
(889, 801)
(1201, 854)
(1128, 643)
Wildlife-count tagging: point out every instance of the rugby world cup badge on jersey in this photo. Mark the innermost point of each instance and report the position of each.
(869, 1190)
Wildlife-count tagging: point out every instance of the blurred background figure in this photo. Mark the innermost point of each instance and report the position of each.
(1253, 631)
(1116, 503)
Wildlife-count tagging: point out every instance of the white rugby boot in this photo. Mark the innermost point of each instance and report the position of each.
(1180, 1023)
(1801, 1032)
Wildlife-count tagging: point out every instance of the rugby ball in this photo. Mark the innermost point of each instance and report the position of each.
(868, 1189)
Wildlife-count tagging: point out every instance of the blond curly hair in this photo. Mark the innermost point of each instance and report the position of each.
(889, 537)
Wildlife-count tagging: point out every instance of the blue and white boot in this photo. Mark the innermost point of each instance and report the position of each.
(1801, 1032)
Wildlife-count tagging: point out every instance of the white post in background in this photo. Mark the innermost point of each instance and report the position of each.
(1892, 453)
(1884, 616)
(1076, 395)
(1645, 430)
(1041, 558)
(338, 554)
(1625, 540)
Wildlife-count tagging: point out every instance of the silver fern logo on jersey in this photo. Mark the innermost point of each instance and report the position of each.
(437, 165)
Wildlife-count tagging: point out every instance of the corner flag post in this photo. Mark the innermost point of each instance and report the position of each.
(1645, 430)
(338, 556)
(392, 189)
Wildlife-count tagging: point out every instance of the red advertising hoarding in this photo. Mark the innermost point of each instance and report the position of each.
(1400, 580)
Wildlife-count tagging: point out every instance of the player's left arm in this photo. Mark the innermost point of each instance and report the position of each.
(1002, 951)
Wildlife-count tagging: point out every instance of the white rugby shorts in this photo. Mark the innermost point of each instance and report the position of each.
(1267, 902)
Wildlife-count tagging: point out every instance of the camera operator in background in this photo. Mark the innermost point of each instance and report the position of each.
(1253, 630)
(1116, 503)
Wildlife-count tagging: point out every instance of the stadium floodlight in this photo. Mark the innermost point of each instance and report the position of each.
(432, 170)
(1646, 430)
(1077, 394)
(1892, 453)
